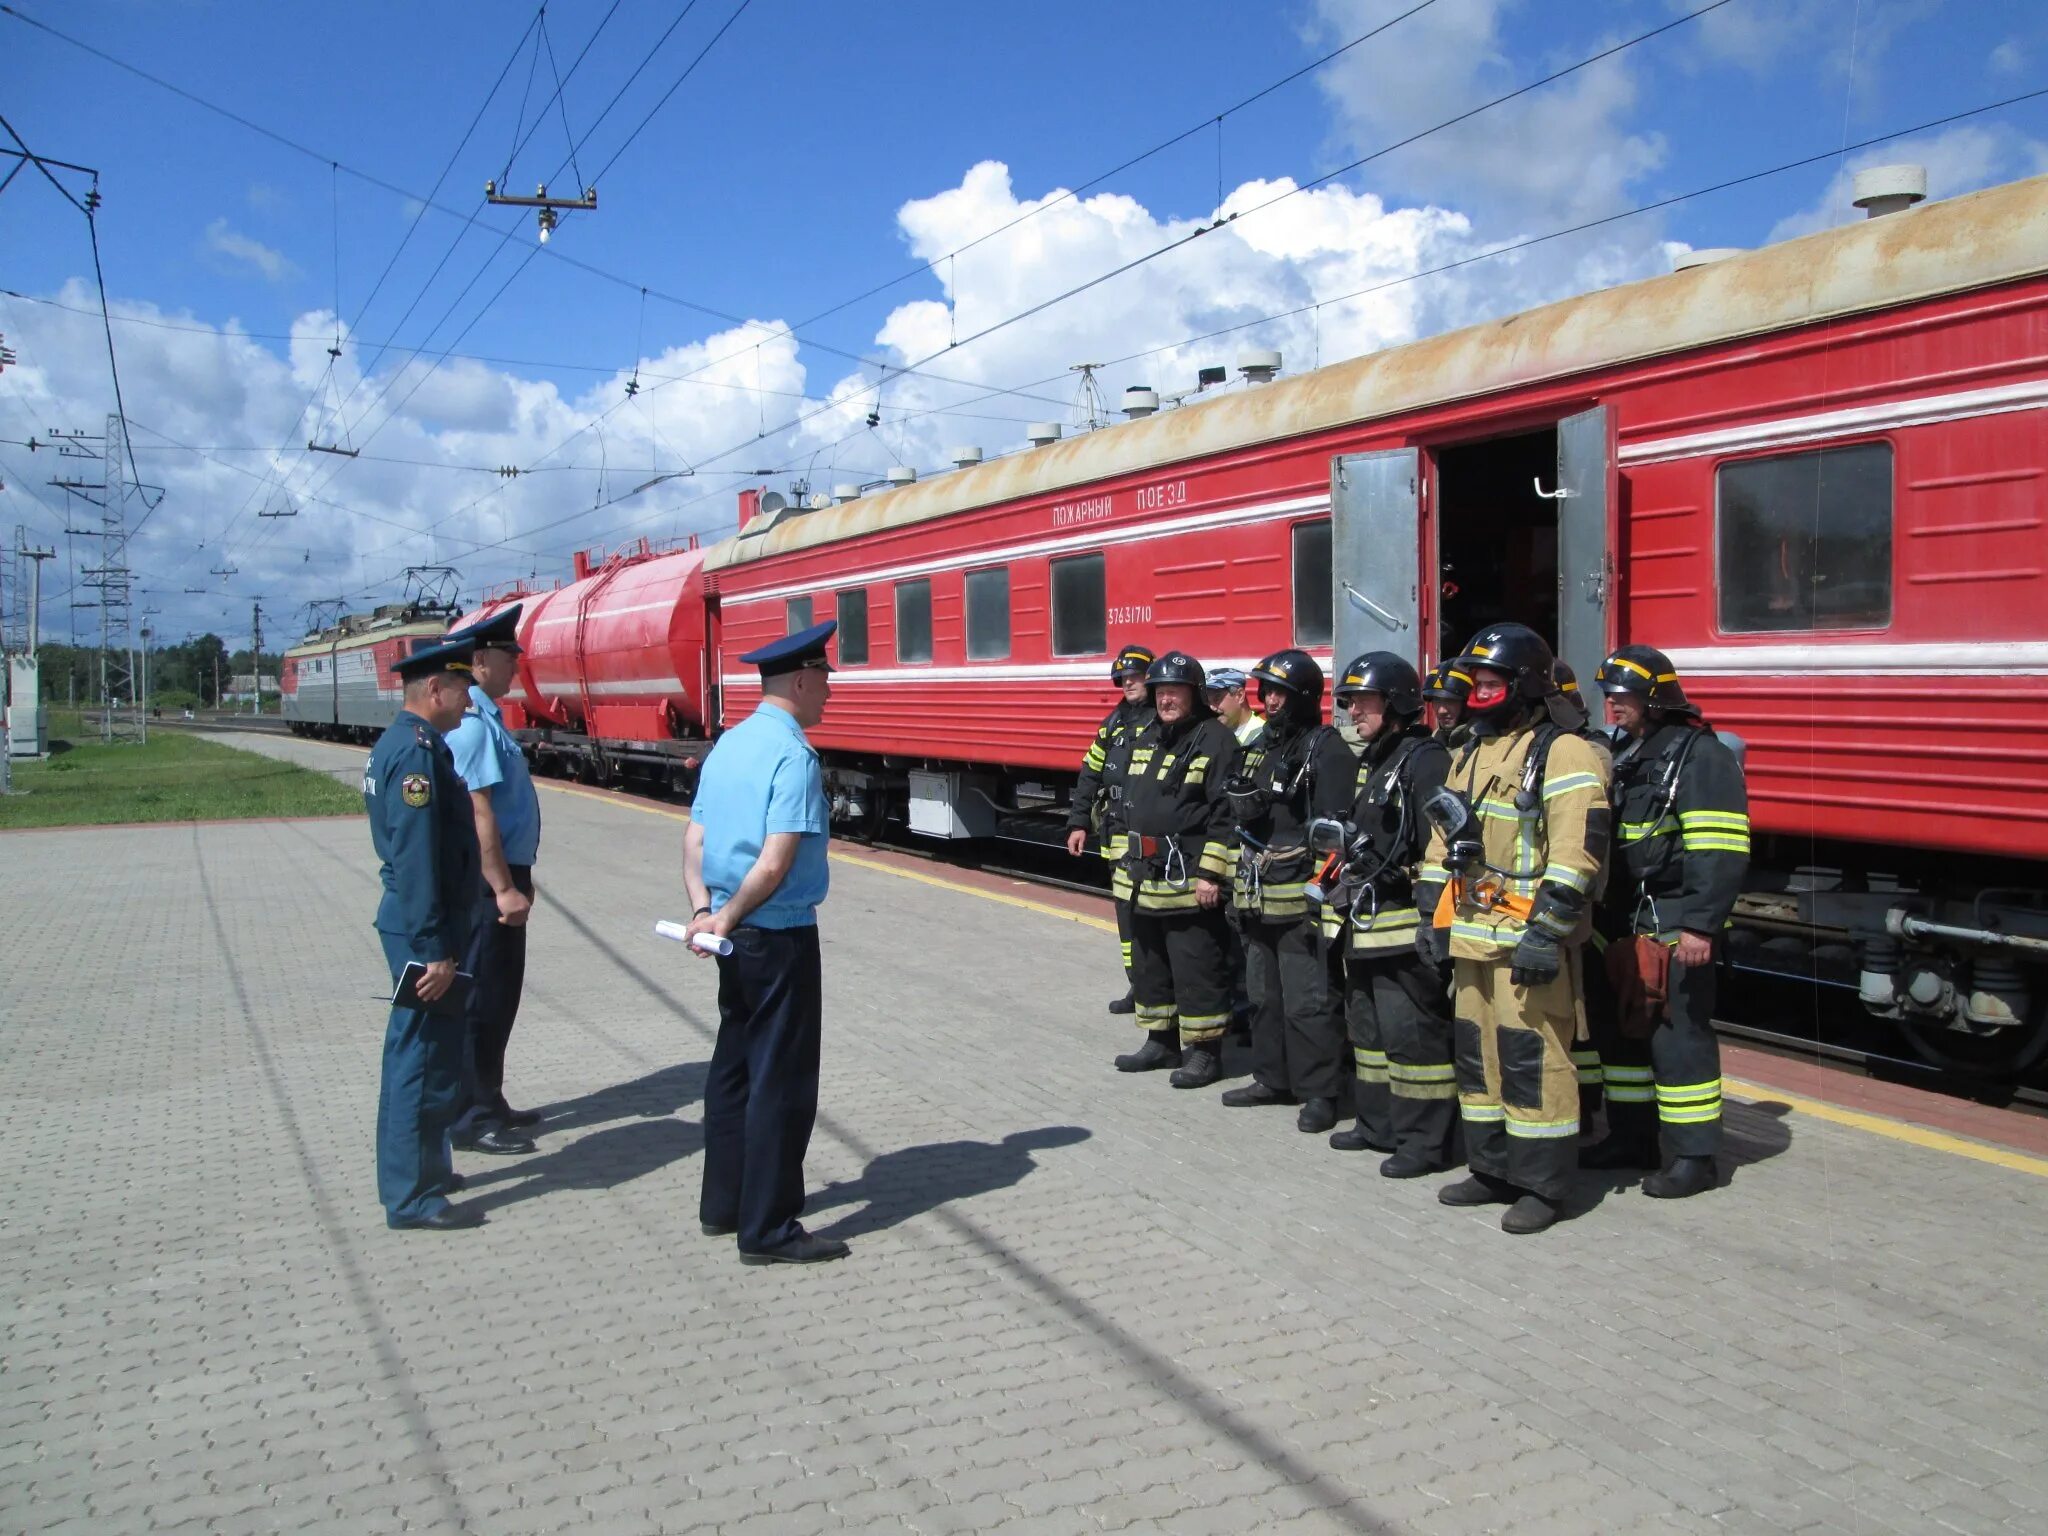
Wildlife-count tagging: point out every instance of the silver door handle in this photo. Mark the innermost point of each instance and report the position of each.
(1373, 608)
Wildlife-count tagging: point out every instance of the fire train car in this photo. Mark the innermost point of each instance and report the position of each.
(1812, 472)
(337, 683)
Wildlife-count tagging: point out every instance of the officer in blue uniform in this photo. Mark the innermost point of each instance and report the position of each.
(754, 865)
(425, 834)
(507, 810)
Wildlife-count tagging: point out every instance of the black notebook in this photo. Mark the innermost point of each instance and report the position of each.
(450, 1002)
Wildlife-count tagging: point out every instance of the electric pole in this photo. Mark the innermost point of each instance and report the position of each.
(256, 654)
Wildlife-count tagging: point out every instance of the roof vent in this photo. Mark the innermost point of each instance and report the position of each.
(1883, 189)
(1705, 257)
(1140, 401)
(1258, 366)
(902, 474)
(845, 491)
(965, 456)
(1043, 432)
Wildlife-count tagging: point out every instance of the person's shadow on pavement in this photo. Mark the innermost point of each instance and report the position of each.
(908, 1182)
(658, 1093)
(604, 1159)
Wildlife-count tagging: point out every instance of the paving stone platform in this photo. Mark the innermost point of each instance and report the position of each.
(1078, 1302)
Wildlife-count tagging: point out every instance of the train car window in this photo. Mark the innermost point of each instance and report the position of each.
(796, 614)
(988, 614)
(853, 627)
(1080, 616)
(1314, 621)
(1804, 541)
(914, 620)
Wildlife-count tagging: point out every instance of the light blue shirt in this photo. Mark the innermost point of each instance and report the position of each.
(488, 758)
(763, 778)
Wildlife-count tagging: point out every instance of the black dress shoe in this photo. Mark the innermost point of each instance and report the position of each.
(1531, 1213)
(1406, 1165)
(1479, 1189)
(1356, 1140)
(452, 1183)
(1686, 1176)
(520, 1119)
(450, 1218)
(801, 1249)
(713, 1229)
(1255, 1095)
(1128, 1003)
(1316, 1117)
(497, 1143)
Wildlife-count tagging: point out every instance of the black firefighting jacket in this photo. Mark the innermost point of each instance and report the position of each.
(1098, 792)
(1395, 775)
(1303, 772)
(1681, 825)
(1173, 794)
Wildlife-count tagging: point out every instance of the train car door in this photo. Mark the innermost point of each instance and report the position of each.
(713, 663)
(1585, 497)
(1375, 568)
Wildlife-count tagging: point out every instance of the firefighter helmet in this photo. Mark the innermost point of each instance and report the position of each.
(1646, 672)
(1518, 653)
(1178, 667)
(1383, 673)
(1131, 661)
(1447, 685)
(1296, 672)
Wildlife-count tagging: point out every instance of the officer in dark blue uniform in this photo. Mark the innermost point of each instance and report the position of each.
(425, 834)
(754, 865)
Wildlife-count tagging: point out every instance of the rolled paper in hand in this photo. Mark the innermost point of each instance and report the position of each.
(710, 943)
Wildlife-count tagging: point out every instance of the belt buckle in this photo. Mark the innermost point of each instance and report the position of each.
(1489, 891)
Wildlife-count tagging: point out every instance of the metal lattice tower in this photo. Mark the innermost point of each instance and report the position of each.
(256, 654)
(121, 712)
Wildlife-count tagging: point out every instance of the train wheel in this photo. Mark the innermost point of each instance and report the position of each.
(2004, 1057)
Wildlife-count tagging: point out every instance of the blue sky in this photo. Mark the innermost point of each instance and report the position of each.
(818, 150)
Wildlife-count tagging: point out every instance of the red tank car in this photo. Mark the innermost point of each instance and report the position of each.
(1813, 473)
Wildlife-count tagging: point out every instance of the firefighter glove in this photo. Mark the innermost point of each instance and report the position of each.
(1537, 959)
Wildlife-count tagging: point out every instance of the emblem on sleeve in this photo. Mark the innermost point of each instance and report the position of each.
(415, 790)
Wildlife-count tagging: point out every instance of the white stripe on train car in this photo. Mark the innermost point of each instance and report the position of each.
(606, 613)
(989, 672)
(1790, 430)
(1819, 658)
(1090, 539)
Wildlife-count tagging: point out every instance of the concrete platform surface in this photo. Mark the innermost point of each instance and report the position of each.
(1078, 1302)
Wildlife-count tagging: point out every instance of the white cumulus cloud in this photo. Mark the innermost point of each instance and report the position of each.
(222, 239)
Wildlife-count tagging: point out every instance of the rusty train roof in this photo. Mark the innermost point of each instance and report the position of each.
(1950, 246)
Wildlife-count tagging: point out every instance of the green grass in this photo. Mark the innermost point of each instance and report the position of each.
(174, 777)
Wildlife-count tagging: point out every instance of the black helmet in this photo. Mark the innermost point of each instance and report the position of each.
(1447, 685)
(1384, 673)
(1179, 667)
(1297, 672)
(1516, 651)
(1131, 659)
(1647, 673)
(1567, 706)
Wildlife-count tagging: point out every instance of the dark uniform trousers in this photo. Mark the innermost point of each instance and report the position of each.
(420, 1097)
(1180, 976)
(1397, 1007)
(761, 1098)
(1124, 939)
(1298, 1022)
(496, 958)
(1669, 1083)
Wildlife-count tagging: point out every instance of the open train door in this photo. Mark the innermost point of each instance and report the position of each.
(1375, 562)
(1586, 498)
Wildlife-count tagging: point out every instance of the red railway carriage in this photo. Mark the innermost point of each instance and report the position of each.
(337, 683)
(1812, 472)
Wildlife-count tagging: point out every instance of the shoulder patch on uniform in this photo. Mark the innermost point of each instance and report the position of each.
(416, 789)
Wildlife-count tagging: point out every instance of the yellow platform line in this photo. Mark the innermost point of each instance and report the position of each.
(1834, 1114)
(1895, 1130)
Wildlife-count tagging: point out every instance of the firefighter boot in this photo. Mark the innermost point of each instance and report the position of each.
(1255, 1095)
(1200, 1065)
(1357, 1139)
(1531, 1213)
(1686, 1176)
(1630, 1142)
(1128, 1003)
(1161, 1049)
(1317, 1116)
(1478, 1189)
(1407, 1165)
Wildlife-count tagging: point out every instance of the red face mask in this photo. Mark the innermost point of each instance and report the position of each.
(1487, 694)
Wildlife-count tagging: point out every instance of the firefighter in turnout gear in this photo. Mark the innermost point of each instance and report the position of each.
(1396, 1003)
(1445, 691)
(1174, 873)
(1568, 708)
(1098, 792)
(1681, 815)
(1226, 696)
(1305, 770)
(1517, 841)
